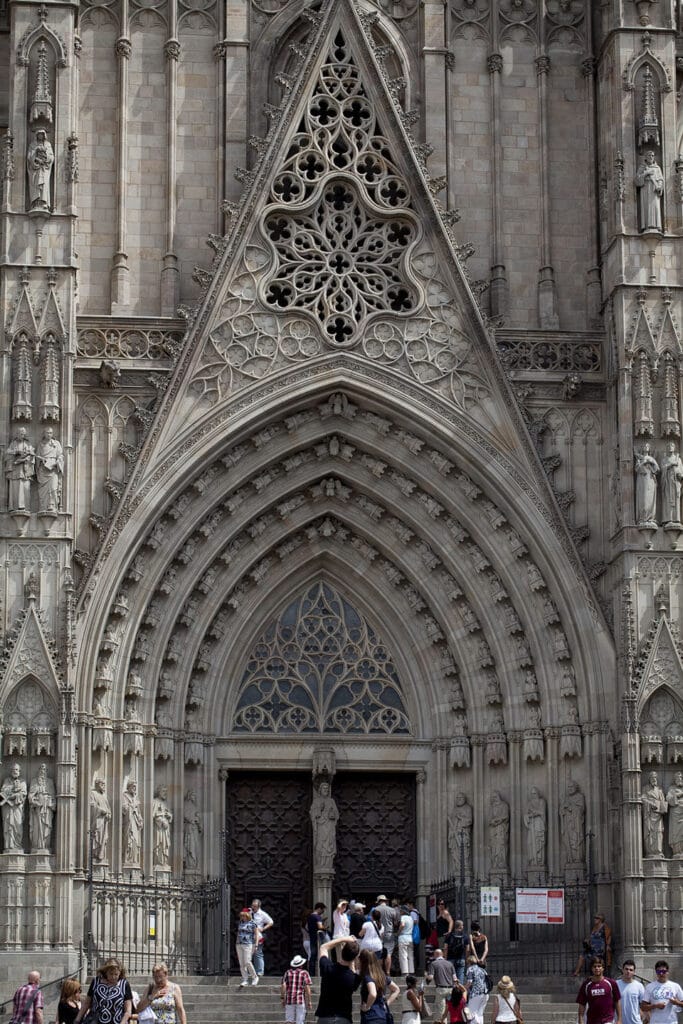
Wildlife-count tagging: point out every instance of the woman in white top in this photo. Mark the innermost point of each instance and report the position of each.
(412, 1002)
(340, 920)
(406, 956)
(506, 1004)
(372, 934)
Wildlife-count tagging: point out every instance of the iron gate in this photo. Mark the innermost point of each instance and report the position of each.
(518, 950)
(142, 923)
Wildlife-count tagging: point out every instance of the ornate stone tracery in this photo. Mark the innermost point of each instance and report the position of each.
(320, 668)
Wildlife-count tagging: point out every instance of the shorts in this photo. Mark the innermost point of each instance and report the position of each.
(390, 945)
(295, 1013)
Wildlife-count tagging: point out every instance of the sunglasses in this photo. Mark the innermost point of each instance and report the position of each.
(662, 970)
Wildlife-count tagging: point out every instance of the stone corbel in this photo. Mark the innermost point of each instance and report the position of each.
(324, 765)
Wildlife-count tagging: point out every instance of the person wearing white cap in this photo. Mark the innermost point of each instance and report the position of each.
(295, 991)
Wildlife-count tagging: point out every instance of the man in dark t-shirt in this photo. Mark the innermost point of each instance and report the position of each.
(338, 981)
(599, 997)
(316, 926)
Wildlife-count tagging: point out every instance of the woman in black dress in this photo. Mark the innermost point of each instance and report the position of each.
(69, 1001)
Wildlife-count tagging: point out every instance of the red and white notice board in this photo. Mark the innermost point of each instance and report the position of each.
(539, 906)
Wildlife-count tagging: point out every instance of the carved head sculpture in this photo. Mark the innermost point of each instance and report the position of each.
(161, 792)
(21, 434)
(678, 779)
(653, 780)
(649, 156)
(48, 434)
(324, 789)
(132, 787)
(15, 771)
(459, 799)
(99, 785)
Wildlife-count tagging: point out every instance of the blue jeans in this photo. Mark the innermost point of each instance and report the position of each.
(458, 967)
(258, 959)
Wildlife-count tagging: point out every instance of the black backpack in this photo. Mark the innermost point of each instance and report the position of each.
(457, 943)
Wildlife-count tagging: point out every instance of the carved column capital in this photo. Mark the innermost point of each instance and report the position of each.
(589, 67)
(494, 62)
(172, 49)
(123, 47)
(542, 65)
(220, 50)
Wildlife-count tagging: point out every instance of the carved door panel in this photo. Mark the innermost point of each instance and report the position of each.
(376, 840)
(269, 855)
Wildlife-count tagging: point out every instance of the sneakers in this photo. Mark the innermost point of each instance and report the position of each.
(244, 984)
(256, 980)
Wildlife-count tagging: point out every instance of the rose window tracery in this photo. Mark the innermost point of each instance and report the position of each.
(339, 223)
(320, 667)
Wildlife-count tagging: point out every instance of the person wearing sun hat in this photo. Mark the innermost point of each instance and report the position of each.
(295, 991)
(506, 1008)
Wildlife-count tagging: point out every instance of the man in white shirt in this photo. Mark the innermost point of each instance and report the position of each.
(263, 922)
(662, 997)
(632, 993)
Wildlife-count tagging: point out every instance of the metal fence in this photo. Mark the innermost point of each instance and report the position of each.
(143, 922)
(523, 949)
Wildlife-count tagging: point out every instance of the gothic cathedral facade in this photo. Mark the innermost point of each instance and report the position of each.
(342, 355)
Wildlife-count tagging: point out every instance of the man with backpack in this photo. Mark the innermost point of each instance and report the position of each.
(455, 949)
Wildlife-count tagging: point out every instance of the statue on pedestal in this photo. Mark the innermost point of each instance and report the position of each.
(13, 801)
(162, 818)
(324, 817)
(131, 816)
(654, 809)
(100, 816)
(536, 826)
(43, 803)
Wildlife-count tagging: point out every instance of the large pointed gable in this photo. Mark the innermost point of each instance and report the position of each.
(338, 247)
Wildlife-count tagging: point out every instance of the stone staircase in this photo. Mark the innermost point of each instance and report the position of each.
(222, 1001)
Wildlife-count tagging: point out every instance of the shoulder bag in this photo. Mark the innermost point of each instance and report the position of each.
(515, 1009)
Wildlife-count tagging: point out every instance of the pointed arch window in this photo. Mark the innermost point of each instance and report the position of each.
(320, 667)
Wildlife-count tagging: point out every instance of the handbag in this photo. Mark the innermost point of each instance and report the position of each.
(515, 1009)
(467, 1015)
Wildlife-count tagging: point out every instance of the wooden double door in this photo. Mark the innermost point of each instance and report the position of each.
(270, 846)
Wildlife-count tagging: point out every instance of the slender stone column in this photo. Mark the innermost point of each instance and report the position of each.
(170, 272)
(547, 298)
(499, 284)
(434, 71)
(517, 800)
(120, 277)
(632, 834)
(593, 278)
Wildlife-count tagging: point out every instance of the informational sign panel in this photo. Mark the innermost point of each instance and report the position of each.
(539, 906)
(489, 901)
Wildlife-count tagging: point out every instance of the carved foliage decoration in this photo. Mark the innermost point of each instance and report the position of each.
(320, 668)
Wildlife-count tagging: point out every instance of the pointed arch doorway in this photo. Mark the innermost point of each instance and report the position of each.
(270, 855)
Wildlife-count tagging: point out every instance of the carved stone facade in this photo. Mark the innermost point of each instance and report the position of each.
(391, 484)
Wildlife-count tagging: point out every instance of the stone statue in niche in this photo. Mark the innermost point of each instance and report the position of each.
(654, 809)
(535, 822)
(671, 478)
(674, 799)
(39, 161)
(499, 832)
(49, 470)
(42, 801)
(100, 817)
(131, 817)
(192, 832)
(324, 817)
(647, 471)
(13, 803)
(650, 185)
(460, 834)
(573, 819)
(19, 469)
(162, 818)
